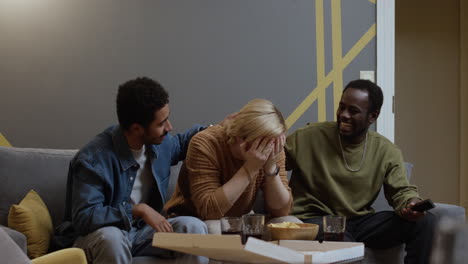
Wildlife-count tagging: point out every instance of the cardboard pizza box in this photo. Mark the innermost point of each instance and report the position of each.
(230, 248)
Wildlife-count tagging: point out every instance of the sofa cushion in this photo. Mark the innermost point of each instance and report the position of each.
(31, 218)
(44, 170)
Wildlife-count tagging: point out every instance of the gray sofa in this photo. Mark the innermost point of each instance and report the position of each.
(45, 171)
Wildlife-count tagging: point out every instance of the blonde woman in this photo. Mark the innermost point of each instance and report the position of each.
(227, 165)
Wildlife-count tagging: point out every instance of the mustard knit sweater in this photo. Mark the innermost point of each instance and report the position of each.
(208, 166)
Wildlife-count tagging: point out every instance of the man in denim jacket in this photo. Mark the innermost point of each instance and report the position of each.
(117, 183)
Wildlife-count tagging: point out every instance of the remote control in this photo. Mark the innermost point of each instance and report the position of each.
(423, 206)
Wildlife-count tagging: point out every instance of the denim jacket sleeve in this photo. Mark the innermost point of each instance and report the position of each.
(90, 210)
(181, 142)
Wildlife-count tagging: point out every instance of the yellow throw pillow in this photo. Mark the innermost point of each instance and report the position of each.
(31, 217)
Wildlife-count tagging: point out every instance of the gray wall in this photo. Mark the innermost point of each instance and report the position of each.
(62, 61)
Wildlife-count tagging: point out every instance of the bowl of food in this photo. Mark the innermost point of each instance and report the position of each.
(293, 231)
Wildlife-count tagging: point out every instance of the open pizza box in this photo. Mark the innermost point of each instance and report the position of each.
(230, 248)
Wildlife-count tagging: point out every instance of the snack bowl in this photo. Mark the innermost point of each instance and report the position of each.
(303, 232)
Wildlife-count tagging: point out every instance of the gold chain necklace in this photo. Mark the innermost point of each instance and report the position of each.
(363, 154)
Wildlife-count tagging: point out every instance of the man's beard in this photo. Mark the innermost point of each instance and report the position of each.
(155, 141)
(354, 135)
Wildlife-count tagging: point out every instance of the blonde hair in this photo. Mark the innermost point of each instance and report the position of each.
(258, 118)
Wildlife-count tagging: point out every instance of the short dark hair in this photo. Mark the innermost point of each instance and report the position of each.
(138, 100)
(373, 90)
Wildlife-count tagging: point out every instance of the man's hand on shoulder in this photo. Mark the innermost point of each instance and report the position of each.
(407, 212)
(152, 218)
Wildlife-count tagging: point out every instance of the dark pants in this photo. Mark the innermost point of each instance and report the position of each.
(386, 229)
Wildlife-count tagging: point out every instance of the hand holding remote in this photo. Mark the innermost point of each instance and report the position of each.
(409, 213)
(423, 206)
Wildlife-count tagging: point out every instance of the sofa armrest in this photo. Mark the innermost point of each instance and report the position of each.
(9, 250)
(19, 238)
(68, 255)
(449, 210)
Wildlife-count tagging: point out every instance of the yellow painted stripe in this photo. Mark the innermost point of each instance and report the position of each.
(359, 46)
(352, 53)
(337, 52)
(320, 44)
(4, 142)
(372, 1)
(322, 105)
(309, 100)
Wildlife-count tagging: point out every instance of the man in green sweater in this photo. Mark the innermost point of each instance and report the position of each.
(339, 168)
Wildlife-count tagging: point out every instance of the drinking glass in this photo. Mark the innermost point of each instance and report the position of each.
(253, 225)
(334, 227)
(231, 226)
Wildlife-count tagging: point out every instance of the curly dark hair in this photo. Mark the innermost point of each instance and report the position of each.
(373, 90)
(138, 100)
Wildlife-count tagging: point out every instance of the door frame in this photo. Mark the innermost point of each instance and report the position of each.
(386, 66)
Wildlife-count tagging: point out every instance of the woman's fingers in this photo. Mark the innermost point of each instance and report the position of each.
(255, 144)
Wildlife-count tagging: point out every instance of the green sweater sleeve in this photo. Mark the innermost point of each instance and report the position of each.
(398, 190)
(290, 150)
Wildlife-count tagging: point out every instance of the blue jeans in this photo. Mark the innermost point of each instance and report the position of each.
(113, 245)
